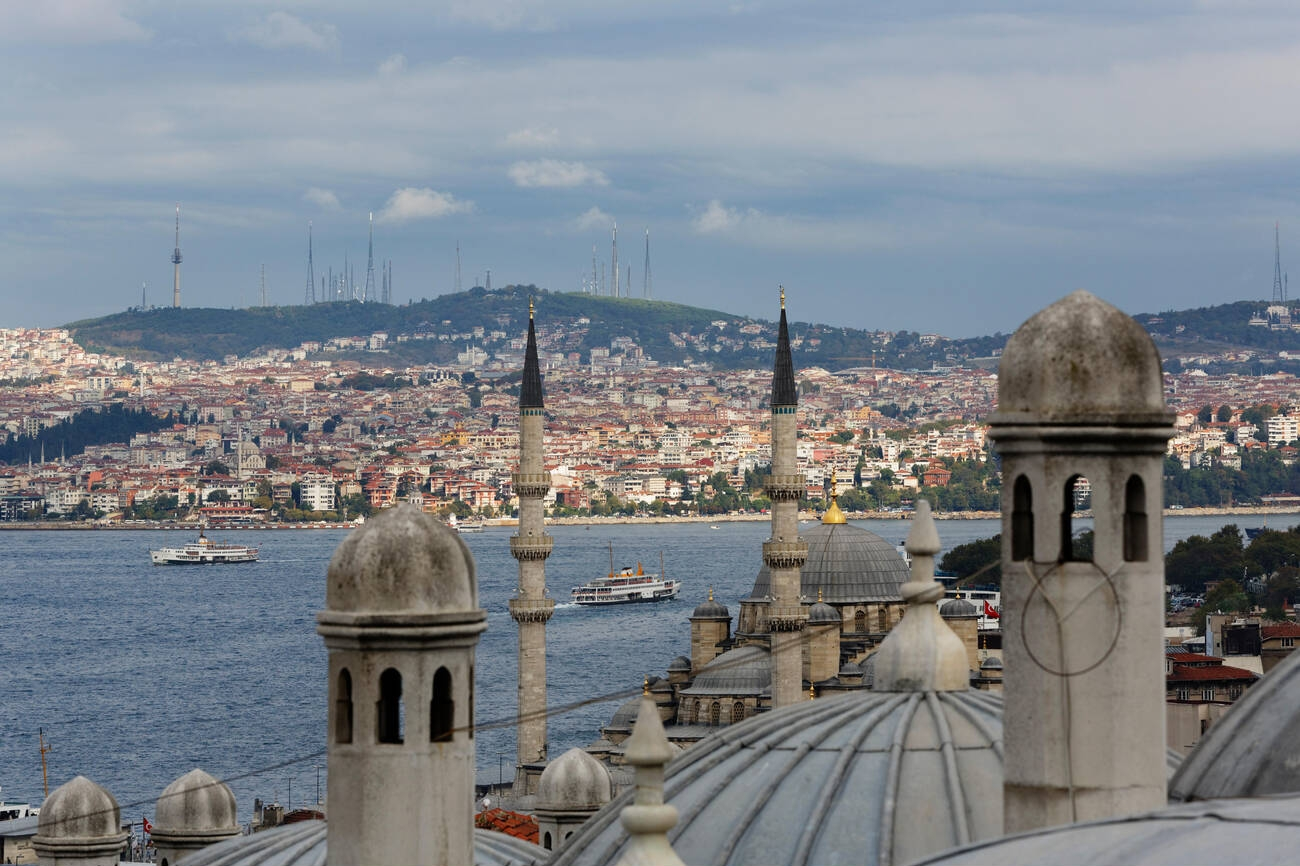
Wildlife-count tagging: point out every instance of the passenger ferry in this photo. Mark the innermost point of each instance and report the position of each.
(204, 551)
(627, 585)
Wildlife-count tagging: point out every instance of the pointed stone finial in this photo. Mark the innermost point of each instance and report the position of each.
(649, 819)
(922, 653)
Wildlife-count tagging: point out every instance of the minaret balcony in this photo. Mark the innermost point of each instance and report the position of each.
(531, 609)
(785, 554)
(785, 488)
(530, 485)
(786, 617)
(531, 548)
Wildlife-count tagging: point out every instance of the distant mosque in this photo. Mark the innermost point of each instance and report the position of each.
(920, 768)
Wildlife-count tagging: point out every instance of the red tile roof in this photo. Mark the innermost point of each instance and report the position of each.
(1213, 673)
(1284, 629)
(511, 823)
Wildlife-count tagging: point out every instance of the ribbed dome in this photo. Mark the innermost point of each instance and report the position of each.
(848, 563)
(958, 607)
(624, 716)
(79, 809)
(992, 663)
(1250, 751)
(850, 669)
(574, 781)
(823, 613)
(303, 844)
(711, 609)
(746, 670)
(402, 561)
(681, 664)
(816, 783)
(1263, 831)
(1043, 377)
(196, 802)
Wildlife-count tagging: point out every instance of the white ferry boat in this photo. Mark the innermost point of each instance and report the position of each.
(204, 551)
(627, 585)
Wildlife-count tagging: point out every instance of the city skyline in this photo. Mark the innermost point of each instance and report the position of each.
(916, 168)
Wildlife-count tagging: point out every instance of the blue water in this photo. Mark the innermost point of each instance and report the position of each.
(138, 673)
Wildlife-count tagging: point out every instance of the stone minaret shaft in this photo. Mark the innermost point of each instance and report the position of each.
(532, 607)
(785, 552)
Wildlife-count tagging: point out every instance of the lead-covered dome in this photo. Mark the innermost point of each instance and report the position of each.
(402, 561)
(874, 778)
(847, 563)
(574, 781)
(1251, 750)
(746, 670)
(196, 802)
(1080, 359)
(79, 809)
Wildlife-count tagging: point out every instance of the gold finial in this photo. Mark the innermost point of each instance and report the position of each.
(812, 692)
(710, 593)
(530, 308)
(833, 514)
(819, 595)
(782, 288)
(645, 688)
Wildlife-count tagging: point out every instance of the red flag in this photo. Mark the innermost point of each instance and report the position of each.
(990, 612)
(148, 828)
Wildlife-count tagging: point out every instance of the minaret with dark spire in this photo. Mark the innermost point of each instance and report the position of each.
(531, 607)
(785, 552)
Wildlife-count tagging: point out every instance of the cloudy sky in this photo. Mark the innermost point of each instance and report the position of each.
(945, 167)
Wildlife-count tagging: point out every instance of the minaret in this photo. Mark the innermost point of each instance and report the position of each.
(532, 607)
(785, 552)
(176, 261)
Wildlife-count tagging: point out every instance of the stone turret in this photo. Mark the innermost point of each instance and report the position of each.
(531, 608)
(401, 622)
(80, 825)
(784, 553)
(193, 812)
(1080, 396)
(572, 789)
(710, 626)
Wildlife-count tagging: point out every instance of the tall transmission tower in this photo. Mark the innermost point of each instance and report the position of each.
(310, 296)
(595, 278)
(613, 263)
(263, 285)
(369, 294)
(645, 280)
(176, 261)
(1279, 290)
(144, 297)
(388, 281)
(457, 289)
(488, 280)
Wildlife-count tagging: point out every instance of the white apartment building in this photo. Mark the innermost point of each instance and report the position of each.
(317, 492)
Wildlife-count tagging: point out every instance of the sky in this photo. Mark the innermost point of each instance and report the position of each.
(940, 167)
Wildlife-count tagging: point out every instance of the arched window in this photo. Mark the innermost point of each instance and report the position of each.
(442, 709)
(715, 714)
(737, 712)
(567, 835)
(546, 840)
(860, 622)
(1022, 520)
(343, 708)
(388, 709)
(882, 619)
(1075, 495)
(1135, 521)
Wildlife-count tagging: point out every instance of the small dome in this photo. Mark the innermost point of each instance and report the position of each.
(403, 561)
(850, 669)
(79, 809)
(958, 607)
(847, 563)
(196, 802)
(574, 782)
(661, 686)
(711, 609)
(821, 612)
(992, 663)
(624, 716)
(817, 782)
(679, 665)
(1080, 359)
(1248, 752)
(746, 670)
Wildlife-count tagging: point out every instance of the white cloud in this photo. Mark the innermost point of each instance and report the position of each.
(554, 173)
(410, 203)
(594, 218)
(533, 137)
(792, 232)
(716, 218)
(394, 65)
(67, 21)
(282, 30)
(322, 198)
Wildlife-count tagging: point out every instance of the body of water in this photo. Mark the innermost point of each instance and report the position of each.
(139, 673)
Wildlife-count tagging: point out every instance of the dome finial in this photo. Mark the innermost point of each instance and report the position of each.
(649, 819)
(710, 593)
(833, 514)
(819, 595)
(645, 687)
(530, 308)
(812, 692)
(922, 653)
(782, 288)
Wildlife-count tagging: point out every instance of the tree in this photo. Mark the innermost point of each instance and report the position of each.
(215, 467)
(1206, 415)
(1227, 597)
(1224, 415)
(219, 496)
(977, 561)
(1196, 560)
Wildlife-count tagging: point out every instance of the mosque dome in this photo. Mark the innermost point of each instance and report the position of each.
(809, 782)
(958, 607)
(680, 665)
(1242, 754)
(388, 566)
(1217, 831)
(574, 781)
(850, 669)
(79, 809)
(821, 612)
(847, 563)
(992, 663)
(303, 844)
(1041, 377)
(624, 716)
(711, 609)
(196, 802)
(746, 670)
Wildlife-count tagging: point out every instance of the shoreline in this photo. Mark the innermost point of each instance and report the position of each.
(510, 522)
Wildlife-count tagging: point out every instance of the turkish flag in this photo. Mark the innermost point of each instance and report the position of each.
(990, 612)
(148, 828)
